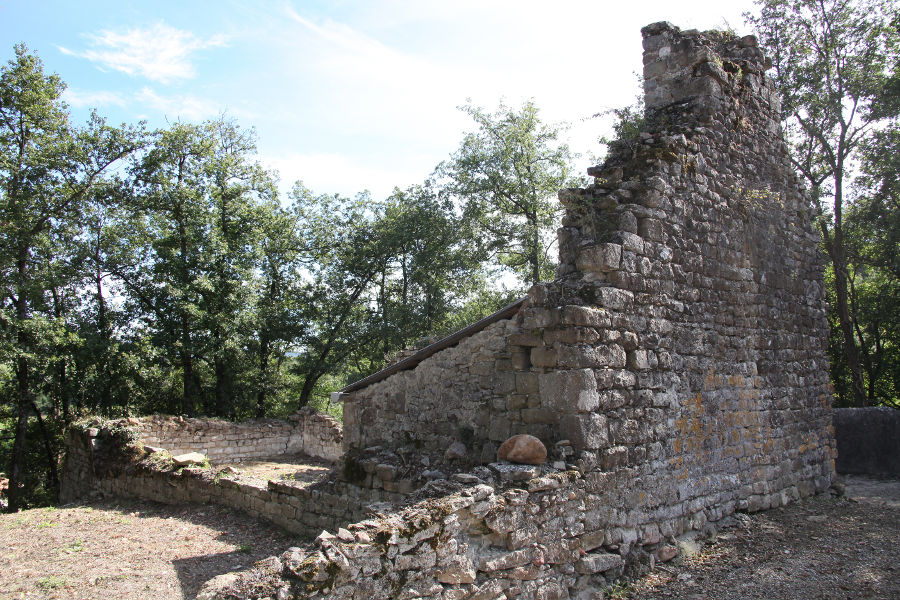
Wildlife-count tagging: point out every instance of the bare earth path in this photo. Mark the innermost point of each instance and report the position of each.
(825, 547)
(127, 549)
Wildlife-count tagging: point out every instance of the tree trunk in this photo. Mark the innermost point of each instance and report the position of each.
(838, 255)
(851, 352)
(309, 385)
(23, 389)
(105, 333)
(50, 452)
(263, 374)
(17, 463)
(221, 392)
(187, 368)
(534, 253)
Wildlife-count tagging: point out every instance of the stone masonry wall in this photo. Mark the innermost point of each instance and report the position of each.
(479, 391)
(681, 350)
(307, 431)
(105, 459)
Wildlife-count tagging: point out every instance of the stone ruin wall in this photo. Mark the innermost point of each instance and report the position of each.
(91, 467)
(685, 335)
(307, 431)
(479, 391)
(680, 352)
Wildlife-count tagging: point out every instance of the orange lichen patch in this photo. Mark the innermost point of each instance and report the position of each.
(736, 380)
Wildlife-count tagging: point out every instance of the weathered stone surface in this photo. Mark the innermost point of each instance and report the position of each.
(508, 472)
(563, 390)
(666, 553)
(598, 563)
(600, 258)
(457, 569)
(189, 458)
(456, 450)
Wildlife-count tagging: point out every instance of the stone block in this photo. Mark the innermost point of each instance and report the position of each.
(614, 298)
(525, 339)
(539, 318)
(574, 390)
(598, 563)
(585, 431)
(456, 569)
(526, 383)
(585, 316)
(651, 229)
(639, 360)
(601, 258)
(543, 357)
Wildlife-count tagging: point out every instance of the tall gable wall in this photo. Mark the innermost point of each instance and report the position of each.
(684, 337)
(680, 351)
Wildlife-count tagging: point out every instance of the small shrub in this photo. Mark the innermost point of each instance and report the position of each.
(51, 582)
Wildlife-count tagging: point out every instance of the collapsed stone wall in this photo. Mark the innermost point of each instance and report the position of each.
(307, 431)
(113, 458)
(477, 391)
(475, 541)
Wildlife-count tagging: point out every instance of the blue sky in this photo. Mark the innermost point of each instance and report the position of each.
(349, 95)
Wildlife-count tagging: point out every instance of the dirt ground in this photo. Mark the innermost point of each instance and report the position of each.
(295, 467)
(127, 549)
(825, 547)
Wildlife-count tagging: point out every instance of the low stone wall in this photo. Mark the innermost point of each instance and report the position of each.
(545, 537)
(306, 431)
(107, 459)
(868, 440)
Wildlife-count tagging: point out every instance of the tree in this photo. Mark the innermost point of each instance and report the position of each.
(239, 189)
(198, 211)
(342, 254)
(277, 294)
(506, 174)
(377, 276)
(832, 59)
(434, 266)
(873, 240)
(47, 172)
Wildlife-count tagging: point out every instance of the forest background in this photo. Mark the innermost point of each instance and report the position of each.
(162, 271)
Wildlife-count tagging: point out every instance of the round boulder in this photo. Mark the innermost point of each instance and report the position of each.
(523, 449)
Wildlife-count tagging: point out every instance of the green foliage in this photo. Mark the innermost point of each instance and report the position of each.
(51, 582)
(378, 275)
(836, 69)
(628, 124)
(160, 272)
(506, 175)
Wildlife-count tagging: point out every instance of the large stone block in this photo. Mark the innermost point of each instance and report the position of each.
(601, 258)
(569, 391)
(586, 431)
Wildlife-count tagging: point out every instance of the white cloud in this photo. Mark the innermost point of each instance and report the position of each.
(159, 53)
(338, 174)
(81, 99)
(186, 107)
